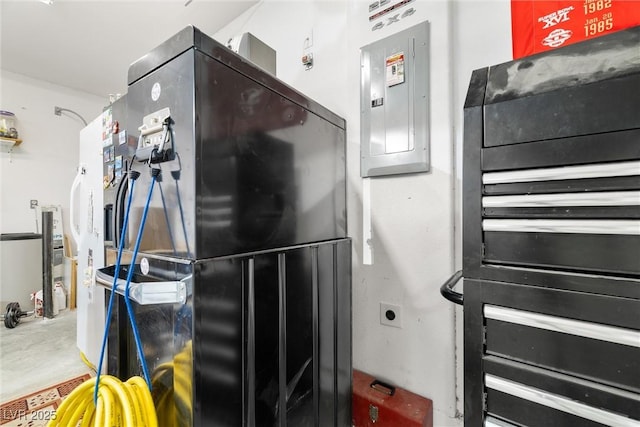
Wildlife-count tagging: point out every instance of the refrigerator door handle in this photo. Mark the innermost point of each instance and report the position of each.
(147, 293)
(75, 233)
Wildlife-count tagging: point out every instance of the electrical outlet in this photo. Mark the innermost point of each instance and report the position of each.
(390, 315)
(33, 203)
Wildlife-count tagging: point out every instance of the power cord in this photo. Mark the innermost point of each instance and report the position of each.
(132, 319)
(113, 403)
(133, 176)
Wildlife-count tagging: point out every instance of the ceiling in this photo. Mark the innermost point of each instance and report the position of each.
(89, 45)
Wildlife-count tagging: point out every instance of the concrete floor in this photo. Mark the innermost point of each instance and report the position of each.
(38, 353)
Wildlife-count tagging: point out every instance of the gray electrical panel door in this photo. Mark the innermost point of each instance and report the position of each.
(394, 126)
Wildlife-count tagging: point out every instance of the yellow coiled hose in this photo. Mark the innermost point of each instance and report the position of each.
(124, 404)
(172, 388)
(120, 404)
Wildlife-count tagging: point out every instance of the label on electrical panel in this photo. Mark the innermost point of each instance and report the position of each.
(395, 69)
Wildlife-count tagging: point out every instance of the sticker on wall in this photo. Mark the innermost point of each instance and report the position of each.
(408, 12)
(378, 10)
(395, 69)
(122, 137)
(389, 9)
(392, 19)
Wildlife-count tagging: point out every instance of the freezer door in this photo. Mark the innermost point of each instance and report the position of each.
(86, 203)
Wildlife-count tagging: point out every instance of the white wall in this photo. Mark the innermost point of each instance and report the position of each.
(413, 216)
(481, 37)
(411, 234)
(44, 165)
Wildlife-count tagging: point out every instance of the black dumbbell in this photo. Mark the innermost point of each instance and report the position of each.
(13, 314)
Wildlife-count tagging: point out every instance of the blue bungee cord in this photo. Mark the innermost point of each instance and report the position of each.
(176, 177)
(136, 334)
(133, 175)
(166, 217)
(184, 226)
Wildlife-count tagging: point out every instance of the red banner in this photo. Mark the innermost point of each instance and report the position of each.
(540, 25)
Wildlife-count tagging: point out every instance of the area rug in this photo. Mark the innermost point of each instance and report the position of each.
(36, 409)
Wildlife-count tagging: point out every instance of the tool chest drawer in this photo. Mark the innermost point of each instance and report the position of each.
(588, 350)
(532, 397)
(598, 253)
(578, 218)
(598, 107)
(552, 357)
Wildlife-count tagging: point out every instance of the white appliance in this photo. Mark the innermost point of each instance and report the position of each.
(87, 218)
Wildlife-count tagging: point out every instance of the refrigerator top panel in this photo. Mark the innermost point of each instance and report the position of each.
(191, 37)
(246, 162)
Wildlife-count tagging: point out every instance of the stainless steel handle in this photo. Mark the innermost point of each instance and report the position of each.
(147, 293)
(604, 198)
(577, 226)
(447, 289)
(580, 328)
(600, 170)
(383, 387)
(558, 402)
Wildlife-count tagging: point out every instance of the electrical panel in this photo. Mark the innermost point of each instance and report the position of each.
(394, 103)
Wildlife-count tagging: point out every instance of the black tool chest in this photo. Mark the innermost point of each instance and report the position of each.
(551, 208)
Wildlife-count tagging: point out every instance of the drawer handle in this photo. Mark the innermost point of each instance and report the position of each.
(580, 328)
(383, 387)
(447, 289)
(558, 402)
(582, 226)
(603, 198)
(599, 170)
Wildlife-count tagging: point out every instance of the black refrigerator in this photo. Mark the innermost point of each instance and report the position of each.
(242, 282)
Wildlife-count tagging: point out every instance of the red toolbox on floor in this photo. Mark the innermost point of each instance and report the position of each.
(377, 404)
